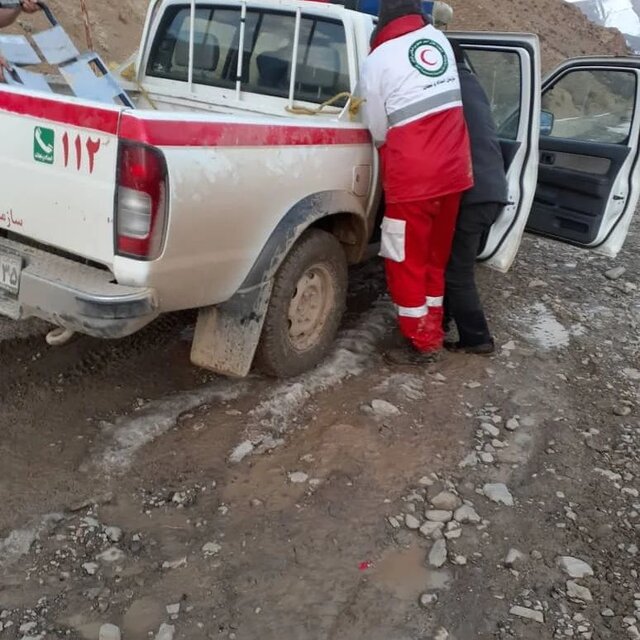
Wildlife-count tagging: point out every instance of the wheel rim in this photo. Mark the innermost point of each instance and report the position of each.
(310, 307)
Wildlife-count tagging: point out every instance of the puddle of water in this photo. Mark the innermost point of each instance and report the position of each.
(542, 327)
(128, 434)
(405, 575)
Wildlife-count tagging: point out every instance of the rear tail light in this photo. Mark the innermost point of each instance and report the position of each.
(141, 201)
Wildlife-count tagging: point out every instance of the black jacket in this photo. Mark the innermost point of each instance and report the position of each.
(488, 164)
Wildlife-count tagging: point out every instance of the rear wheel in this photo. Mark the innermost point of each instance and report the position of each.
(306, 306)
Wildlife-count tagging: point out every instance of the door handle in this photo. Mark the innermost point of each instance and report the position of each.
(546, 157)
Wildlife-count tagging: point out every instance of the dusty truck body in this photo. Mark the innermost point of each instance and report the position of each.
(224, 191)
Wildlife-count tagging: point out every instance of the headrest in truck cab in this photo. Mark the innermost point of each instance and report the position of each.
(273, 68)
(206, 55)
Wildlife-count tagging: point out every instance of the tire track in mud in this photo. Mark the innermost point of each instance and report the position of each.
(30, 365)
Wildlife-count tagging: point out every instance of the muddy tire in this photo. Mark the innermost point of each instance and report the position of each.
(306, 306)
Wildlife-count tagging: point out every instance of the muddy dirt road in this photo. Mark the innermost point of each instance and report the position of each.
(482, 498)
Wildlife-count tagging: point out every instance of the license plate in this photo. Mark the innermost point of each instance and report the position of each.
(10, 270)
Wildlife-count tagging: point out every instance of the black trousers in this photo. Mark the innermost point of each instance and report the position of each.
(462, 301)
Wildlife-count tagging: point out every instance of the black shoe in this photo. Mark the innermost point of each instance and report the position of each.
(410, 356)
(486, 349)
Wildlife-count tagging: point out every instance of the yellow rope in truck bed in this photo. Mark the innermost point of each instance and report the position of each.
(353, 107)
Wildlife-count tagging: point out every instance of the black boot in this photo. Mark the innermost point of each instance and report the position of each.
(474, 333)
(485, 349)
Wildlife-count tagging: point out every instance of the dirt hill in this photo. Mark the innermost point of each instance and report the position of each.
(564, 31)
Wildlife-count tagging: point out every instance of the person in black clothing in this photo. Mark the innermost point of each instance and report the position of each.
(479, 209)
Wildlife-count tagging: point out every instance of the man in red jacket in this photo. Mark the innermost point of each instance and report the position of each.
(414, 111)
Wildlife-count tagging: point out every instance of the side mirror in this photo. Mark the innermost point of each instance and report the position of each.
(546, 123)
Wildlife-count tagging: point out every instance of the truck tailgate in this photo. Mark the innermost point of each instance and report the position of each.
(58, 161)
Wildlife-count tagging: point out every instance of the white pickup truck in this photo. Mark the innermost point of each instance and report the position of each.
(220, 192)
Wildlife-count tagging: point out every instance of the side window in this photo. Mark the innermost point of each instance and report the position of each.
(592, 105)
(323, 67)
(268, 50)
(500, 74)
(215, 32)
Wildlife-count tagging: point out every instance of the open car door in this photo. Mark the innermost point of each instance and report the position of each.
(589, 175)
(508, 67)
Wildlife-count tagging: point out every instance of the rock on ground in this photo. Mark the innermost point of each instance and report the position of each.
(383, 408)
(438, 554)
(527, 614)
(574, 567)
(513, 557)
(578, 592)
(466, 515)
(109, 632)
(446, 501)
(166, 632)
(432, 529)
(438, 515)
(497, 492)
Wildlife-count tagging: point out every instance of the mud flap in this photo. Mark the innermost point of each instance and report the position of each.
(227, 335)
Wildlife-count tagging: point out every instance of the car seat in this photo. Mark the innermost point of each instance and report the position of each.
(206, 56)
(273, 68)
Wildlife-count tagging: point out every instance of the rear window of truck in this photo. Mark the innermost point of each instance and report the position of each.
(321, 69)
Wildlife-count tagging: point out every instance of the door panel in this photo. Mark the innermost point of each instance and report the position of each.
(587, 179)
(508, 67)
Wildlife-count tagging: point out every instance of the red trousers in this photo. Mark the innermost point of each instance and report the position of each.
(416, 244)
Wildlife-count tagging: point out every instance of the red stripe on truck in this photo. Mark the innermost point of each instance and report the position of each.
(175, 133)
(75, 115)
(169, 133)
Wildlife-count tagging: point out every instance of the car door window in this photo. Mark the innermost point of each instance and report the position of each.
(592, 105)
(323, 67)
(500, 75)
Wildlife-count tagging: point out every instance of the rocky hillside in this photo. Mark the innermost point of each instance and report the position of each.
(563, 30)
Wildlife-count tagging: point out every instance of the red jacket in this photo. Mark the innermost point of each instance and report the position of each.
(413, 108)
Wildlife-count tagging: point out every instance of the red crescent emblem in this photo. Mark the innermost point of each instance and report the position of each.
(424, 59)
